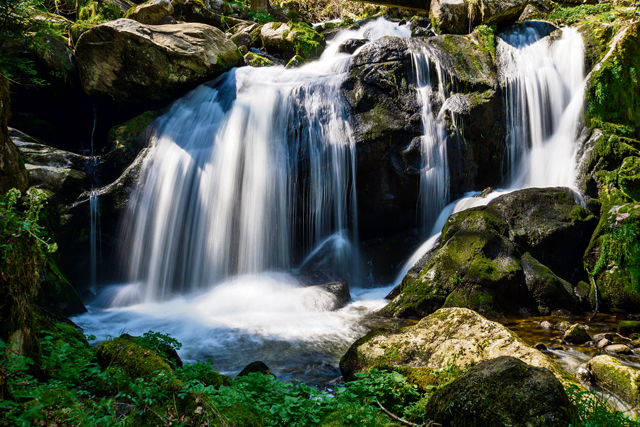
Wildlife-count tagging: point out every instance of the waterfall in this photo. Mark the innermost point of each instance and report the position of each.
(434, 176)
(94, 239)
(543, 77)
(249, 173)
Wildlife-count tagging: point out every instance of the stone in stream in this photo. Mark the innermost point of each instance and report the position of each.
(604, 342)
(351, 45)
(576, 334)
(151, 12)
(545, 324)
(616, 378)
(627, 327)
(605, 335)
(502, 392)
(617, 349)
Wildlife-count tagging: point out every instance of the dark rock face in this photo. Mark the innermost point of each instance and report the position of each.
(257, 366)
(480, 261)
(132, 62)
(12, 171)
(351, 45)
(385, 116)
(502, 392)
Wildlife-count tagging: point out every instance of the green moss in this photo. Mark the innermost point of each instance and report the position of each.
(98, 12)
(127, 135)
(136, 362)
(614, 89)
(307, 42)
(255, 60)
(485, 35)
(571, 14)
(356, 416)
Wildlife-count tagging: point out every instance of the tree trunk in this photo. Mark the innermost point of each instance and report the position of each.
(260, 6)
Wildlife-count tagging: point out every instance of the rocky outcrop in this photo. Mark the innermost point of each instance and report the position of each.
(502, 392)
(450, 16)
(479, 261)
(450, 336)
(150, 12)
(132, 62)
(385, 116)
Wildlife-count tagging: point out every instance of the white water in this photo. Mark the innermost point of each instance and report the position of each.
(222, 189)
(94, 239)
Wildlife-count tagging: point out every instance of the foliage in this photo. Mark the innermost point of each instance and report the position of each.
(23, 248)
(97, 12)
(261, 18)
(593, 410)
(571, 14)
(486, 36)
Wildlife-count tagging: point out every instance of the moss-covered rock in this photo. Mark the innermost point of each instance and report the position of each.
(13, 173)
(502, 392)
(627, 327)
(150, 12)
(292, 39)
(131, 62)
(356, 416)
(621, 380)
(136, 362)
(450, 336)
(478, 261)
(255, 60)
(614, 84)
(576, 334)
(102, 11)
(57, 294)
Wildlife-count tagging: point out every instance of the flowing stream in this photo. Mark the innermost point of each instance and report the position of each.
(252, 177)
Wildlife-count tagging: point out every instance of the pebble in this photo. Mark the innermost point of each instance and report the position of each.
(584, 375)
(604, 342)
(617, 349)
(600, 337)
(546, 325)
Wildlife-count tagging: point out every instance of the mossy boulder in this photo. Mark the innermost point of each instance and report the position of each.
(136, 362)
(131, 62)
(450, 336)
(255, 60)
(502, 392)
(479, 261)
(628, 327)
(102, 11)
(150, 12)
(356, 416)
(13, 173)
(292, 39)
(616, 378)
(450, 16)
(57, 294)
(614, 85)
(576, 334)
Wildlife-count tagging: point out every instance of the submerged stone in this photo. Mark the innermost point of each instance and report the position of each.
(576, 334)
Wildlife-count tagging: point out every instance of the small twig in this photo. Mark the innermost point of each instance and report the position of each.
(624, 338)
(403, 421)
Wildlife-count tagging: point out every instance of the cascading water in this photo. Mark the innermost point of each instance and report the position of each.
(544, 83)
(95, 240)
(434, 176)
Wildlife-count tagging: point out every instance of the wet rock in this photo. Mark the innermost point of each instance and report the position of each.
(132, 62)
(621, 380)
(257, 366)
(540, 346)
(12, 173)
(328, 281)
(295, 62)
(548, 290)
(562, 326)
(351, 45)
(617, 349)
(502, 391)
(546, 324)
(151, 12)
(449, 336)
(583, 374)
(255, 60)
(478, 263)
(603, 343)
(627, 327)
(603, 336)
(576, 334)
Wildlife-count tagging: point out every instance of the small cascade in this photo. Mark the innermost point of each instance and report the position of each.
(543, 76)
(249, 173)
(95, 240)
(434, 177)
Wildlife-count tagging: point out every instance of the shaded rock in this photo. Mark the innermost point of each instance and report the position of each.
(502, 392)
(627, 327)
(548, 290)
(477, 263)
(255, 60)
(295, 62)
(540, 346)
(617, 349)
(603, 342)
(12, 171)
(449, 336)
(604, 336)
(351, 45)
(328, 281)
(257, 366)
(583, 374)
(576, 334)
(168, 20)
(621, 380)
(291, 39)
(132, 62)
(150, 12)
(500, 11)
(450, 16)
(562, 326)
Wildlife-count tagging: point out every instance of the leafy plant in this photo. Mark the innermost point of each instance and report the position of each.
(261, 17)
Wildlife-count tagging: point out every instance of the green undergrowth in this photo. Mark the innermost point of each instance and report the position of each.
(73, 386)
(571, 14)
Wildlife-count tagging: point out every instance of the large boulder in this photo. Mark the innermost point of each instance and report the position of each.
(616, 378)
(450, 336)
(450, 16)
(150, 12)
(291, 39)
(478, 261)
(502, 392)
(385, 115)
(132, 62)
